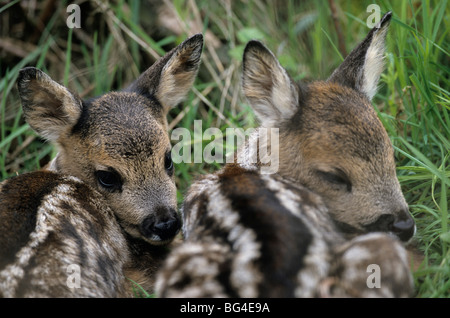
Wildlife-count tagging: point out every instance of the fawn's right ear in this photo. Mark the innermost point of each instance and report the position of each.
(362, 68)
(267, 86)
(171, 77)
(49, 107)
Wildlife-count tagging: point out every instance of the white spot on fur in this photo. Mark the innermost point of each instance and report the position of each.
(202, 266)
(247, 154)
(355, 254)
(221, 206)
(244, 275)
(287, 198)
(12, 274)
(315, 268)
(245, 247)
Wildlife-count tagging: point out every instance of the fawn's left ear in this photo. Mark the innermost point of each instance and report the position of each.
(172, 76)
(362, 68)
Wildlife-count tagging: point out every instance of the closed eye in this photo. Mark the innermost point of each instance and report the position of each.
(336, 177)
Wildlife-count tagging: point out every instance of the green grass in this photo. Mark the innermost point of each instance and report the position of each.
(118, 41)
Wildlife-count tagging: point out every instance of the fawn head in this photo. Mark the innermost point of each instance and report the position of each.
(118, 142)
(331, 139)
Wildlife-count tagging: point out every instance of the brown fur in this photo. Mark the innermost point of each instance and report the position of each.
(292, 233)
(49, 222)
(117, 144)
(249, 235)
(331, 139)
(350, 269)
(255, 235)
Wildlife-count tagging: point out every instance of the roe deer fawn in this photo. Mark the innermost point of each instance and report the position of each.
(292, 234)
(115, 145)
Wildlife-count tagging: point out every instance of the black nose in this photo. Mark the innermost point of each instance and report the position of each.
(162, 226)
(167, 229)
(404, 229)
(401, 224)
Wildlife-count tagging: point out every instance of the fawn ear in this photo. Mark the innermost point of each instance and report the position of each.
(171, 77)
(49, 108)
(362, 68)
(267, 86)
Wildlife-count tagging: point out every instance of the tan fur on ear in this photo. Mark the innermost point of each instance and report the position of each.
(180, 71)
(362, 68)
(172, 76)
(374, 63)
(268, 87)
(49, 107)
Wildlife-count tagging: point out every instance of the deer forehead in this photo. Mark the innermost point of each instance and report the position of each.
(336, 127)
(339, 120)
(125, 125)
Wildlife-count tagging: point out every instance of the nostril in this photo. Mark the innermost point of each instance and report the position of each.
(167, 229)
(164, 226)
(404, 229)
(147, 227)
(403, 225)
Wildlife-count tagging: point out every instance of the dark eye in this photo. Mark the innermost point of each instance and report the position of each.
(168, 163)
(109, 180)
(337, 178)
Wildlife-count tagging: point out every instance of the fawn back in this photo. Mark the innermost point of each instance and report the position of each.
(51, 223)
